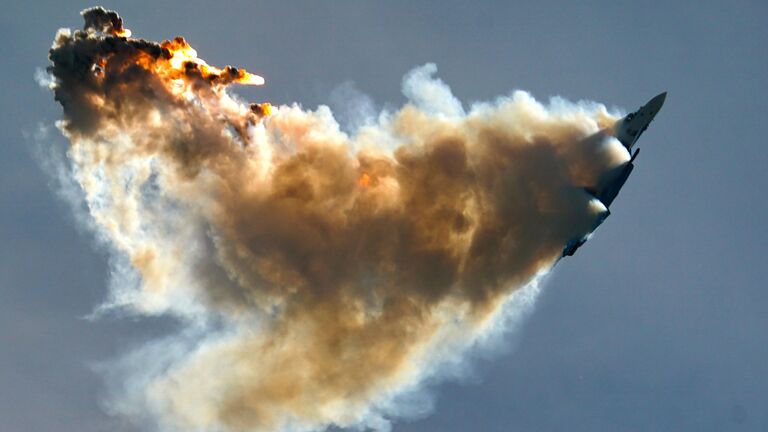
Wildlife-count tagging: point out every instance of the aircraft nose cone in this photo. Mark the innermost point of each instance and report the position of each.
(658, 101)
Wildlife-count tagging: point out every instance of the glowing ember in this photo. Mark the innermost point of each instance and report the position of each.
(364, 180)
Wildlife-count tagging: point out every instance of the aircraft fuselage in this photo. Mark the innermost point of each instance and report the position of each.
(627, 131)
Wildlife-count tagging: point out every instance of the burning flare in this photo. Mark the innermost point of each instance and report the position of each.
(323, 276)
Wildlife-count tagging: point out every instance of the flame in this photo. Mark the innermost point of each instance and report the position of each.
(122, 32)
(183, 60)
(177, 62)
(261, 109)
(364, 180)
(250, 79)
(173, 61)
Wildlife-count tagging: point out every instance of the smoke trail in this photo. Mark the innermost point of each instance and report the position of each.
(323, 276)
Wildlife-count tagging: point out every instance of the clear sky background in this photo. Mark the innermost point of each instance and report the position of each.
(658, 323)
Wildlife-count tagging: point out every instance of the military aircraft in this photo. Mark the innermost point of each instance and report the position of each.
(627, 131)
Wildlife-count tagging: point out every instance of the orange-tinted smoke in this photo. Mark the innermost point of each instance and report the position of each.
(340, 270)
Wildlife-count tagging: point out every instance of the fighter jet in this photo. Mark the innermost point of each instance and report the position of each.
(627, 131)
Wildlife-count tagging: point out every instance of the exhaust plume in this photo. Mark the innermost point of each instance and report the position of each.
(323, 275)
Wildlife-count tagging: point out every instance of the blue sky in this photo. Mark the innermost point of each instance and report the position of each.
(658, 323)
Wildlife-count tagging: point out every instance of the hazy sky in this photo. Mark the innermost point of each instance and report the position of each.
(658, 323)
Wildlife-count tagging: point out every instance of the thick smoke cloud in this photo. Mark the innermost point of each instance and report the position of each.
(105, 21)
(331, 273)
